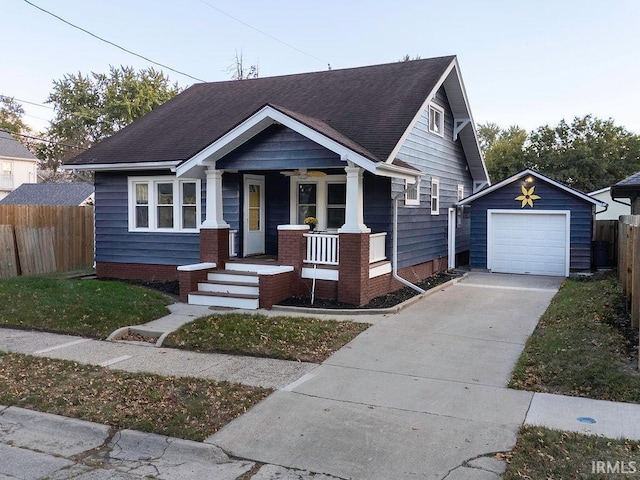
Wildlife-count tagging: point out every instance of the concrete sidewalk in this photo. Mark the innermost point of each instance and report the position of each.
(132, 357)
(421, 394)
(36, 446)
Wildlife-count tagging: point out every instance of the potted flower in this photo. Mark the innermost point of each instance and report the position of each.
(312, 222)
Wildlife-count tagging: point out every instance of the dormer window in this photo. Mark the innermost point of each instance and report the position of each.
(436, 120)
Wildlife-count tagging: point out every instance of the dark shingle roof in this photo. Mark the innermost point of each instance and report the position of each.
(627, 188)
(10, 147)
(49, 194)
(366, 109)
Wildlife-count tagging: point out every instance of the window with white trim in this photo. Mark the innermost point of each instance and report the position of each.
(324, 198)
(412, 196)
(435, 196)
(336, 204)
(436, 120)
(164, 204)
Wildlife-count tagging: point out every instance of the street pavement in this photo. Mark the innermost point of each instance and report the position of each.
(420, 394)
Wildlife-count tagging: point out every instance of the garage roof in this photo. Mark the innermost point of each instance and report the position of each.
(533, 173)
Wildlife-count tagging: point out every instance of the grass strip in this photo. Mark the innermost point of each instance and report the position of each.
(189, 408)
(91, 308)
(578, 348)
(288, 338)
(554, 455)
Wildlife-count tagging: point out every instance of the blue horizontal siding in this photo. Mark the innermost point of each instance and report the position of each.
(277, 148)
(114, 243)
(551, 198)
(423, 237)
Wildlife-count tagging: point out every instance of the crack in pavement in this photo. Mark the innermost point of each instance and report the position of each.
(467, 463)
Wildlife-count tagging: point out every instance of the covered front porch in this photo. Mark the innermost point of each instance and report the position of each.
(273, 172)
(285, 259)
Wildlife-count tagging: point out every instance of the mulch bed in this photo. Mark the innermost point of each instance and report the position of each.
(384, 301)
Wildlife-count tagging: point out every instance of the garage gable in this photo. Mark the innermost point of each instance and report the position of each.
(530, 224)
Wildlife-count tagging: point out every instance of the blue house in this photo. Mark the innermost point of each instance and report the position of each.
(251, 191)
(531, 224)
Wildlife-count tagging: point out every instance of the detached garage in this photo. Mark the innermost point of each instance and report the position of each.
(531, 224)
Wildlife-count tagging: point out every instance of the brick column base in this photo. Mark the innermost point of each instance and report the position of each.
(353, 281)
(214, 245)
(291, 251)
(189, 283)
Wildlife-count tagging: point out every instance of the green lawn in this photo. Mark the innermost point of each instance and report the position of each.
(92, 308)
(190, 408)
(577, 348)
(552, 455)
(289, 338)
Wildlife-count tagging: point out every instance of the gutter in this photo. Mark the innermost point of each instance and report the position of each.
(394, 262)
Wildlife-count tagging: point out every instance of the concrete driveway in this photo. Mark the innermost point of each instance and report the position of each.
(421, 394)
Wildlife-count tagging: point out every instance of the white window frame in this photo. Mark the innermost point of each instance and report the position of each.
(321, 197)
(412, 197)
(152, 205)
(436, 109)
(435, 187)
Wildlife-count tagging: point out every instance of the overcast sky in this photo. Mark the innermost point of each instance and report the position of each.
(523, 63)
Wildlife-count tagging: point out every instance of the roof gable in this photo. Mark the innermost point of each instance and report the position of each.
(533, 173)
(367, 108)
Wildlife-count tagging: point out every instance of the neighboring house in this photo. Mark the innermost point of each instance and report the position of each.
(234, 168)
(531, 224)
(17, 164)
(77, 193)
(628, 189)
(616, 207)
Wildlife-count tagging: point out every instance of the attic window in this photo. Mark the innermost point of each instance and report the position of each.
(412, 197)
(436, 120)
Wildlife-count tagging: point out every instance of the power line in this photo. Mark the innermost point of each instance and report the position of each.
(27, 101)
(263, 32)
(31, 137)
(112, 43)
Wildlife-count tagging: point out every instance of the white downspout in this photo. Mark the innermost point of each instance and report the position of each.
(394, 262)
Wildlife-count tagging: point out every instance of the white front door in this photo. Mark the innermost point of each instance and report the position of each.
(253, 215)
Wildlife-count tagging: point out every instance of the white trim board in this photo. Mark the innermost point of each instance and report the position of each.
(539, 176)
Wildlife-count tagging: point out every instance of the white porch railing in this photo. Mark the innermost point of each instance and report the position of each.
(322, 248)
(376, 247)
(232, 243)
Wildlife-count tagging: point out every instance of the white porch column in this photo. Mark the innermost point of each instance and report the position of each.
(354, 216)
(214, 200)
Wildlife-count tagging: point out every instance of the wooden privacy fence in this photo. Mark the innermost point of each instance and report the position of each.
(629, 264)
(606, 231)
(42, 238)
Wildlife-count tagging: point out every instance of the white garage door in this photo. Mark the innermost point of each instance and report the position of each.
(527, 242)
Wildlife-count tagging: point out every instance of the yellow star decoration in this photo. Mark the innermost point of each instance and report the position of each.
(527, 196)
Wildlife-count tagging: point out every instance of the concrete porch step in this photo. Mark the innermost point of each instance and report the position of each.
(220, 299)
(222, 286)
(233, 276)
